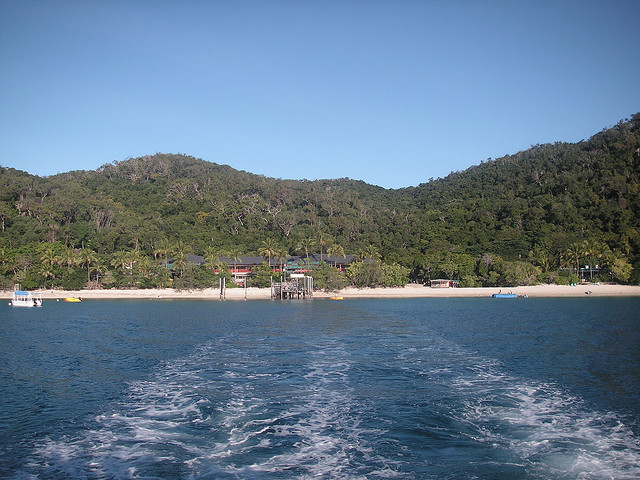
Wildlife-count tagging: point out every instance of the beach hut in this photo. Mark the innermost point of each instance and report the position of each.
(442, 283)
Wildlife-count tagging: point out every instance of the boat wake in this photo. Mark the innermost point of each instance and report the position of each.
(554, 433)
(539, 428)
(225, 413)
(238, 409)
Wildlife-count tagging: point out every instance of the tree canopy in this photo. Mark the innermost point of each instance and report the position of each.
(542, 214)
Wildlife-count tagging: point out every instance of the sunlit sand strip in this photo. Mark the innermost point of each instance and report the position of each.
(409, 291)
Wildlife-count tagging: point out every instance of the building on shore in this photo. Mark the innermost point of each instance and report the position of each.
(244, 266)
(444, 283)
(302, 264)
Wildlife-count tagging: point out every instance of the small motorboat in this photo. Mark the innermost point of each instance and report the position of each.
(504, 295)
(22, 298)
(72, 299)
(337, 298)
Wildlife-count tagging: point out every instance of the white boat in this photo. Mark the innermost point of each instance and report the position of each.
(22, 298)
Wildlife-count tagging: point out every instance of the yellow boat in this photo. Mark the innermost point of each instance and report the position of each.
(73, 299)
(337, 298)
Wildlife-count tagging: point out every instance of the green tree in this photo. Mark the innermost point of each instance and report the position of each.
(195, 277)
(520, 273)
(7, 260)
(327, 278)
(180, 250)
(395, 275)
(262, 275)
(620, 269)
(48, 272)
(119, 260)
(68, 257)
(541, 257)
(49, 255)
(144, 266)
(305, 245)
(88, 258)
(164, 248)
(282, 254)
(602, 254)
(269, 248)
(336, 251)
(370, 252)
(133, 257)
(211, 258)
(362, 274)
(589, 251)
(322, 240)
(235, 253)
(572, 256)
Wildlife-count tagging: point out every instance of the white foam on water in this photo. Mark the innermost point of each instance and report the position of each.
(224, 412)
(317, 436)
(153, 426)
(228, 421)
(554, 432)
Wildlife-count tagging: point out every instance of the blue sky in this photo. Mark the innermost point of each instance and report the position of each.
(389, 92)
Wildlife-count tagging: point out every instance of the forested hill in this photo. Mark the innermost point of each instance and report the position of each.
(531, 215)
(546, 197)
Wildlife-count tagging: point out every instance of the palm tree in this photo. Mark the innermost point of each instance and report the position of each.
(371, 251)
(47, 272)
(306, 244)
(164, 247)
(221, 267)
(540, 257)
(100, 268)
(587, 251)
(336, 251)
(573, 253)
(132, 257)
(145, 265)
(119, 259)
(269, 248)
(48, 256)
(211, 257)
(180, 251)
(6, 259)
(68, 257)
(282, 254)
(235, 253)
(322, 239)
(180, 262)
(601, 253)
(87, 257)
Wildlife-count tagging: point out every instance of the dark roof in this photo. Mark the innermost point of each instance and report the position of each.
(315, 258)
(195, 259)
(244, 260)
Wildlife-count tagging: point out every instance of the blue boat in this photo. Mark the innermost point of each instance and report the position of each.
(504, 295)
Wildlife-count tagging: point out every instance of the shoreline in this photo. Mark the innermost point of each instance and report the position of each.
(409, 291)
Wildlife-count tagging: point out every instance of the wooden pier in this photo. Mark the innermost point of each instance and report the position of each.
(298, 286)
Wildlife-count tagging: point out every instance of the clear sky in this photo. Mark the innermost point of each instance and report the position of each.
(390, 92)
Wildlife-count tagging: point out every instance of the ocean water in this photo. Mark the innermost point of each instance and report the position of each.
(362, 389)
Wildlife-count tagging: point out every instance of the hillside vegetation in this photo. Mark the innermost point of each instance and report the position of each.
(535, 216)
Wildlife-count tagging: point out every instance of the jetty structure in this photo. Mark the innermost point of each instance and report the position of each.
(298, 286)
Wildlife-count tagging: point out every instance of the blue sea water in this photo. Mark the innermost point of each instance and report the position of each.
(362, 389)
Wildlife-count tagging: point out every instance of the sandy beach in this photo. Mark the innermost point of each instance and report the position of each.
(409, 291)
